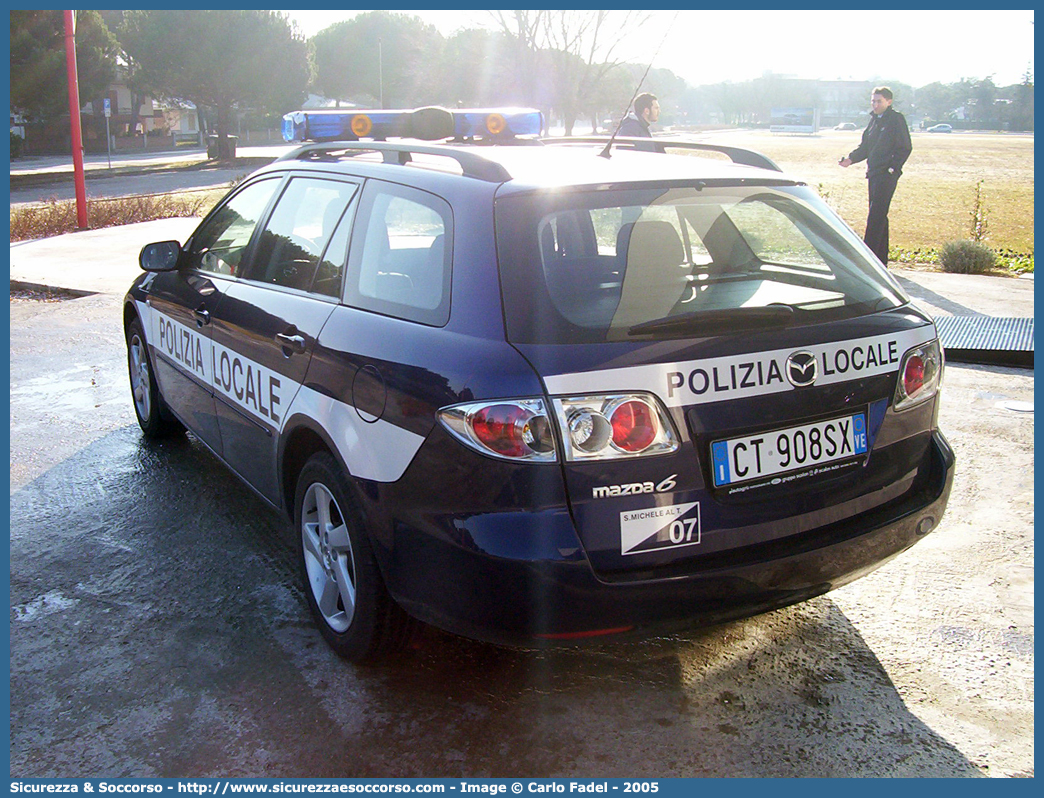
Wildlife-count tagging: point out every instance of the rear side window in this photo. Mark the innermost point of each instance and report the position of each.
(601, 266)
(774, 236)
(219, 244)
(401, 254)
(291, 245)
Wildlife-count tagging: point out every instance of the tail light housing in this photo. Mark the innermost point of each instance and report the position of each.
(613, 426)
(511, 429)
(596, 427)
(920, 374)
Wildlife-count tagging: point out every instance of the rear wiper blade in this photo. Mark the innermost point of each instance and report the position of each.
(721, 320)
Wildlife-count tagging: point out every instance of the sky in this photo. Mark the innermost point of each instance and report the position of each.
(914, 47)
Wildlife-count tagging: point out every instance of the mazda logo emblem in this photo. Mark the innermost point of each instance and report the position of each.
(801, 369)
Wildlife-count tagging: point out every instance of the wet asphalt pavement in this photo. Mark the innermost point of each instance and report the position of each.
(158, 629)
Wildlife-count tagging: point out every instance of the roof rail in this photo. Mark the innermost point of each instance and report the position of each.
(738, 155)
(472, 164)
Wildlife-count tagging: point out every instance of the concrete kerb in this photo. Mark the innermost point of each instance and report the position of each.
(94, 261)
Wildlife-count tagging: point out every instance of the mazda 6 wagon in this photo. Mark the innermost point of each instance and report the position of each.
(537, 391)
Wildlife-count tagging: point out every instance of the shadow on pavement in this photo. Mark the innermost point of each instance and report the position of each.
(934, 299)
(157, 629)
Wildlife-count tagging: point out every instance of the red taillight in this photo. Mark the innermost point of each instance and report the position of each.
(634, 426)
(598, 427)
(920, 374)
(913, 375)
(498, 428)
(515, 429)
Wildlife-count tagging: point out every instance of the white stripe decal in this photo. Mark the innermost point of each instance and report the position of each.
(741, 376)
(261, 392)
(182, 344)
(380, 451)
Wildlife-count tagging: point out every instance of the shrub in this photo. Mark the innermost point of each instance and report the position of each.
(17, 145)
(56, 217)
(967, 257)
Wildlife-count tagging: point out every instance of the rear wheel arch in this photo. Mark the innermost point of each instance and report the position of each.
(302, 437)
(300, 442)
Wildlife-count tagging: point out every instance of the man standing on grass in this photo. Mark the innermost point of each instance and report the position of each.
(885, 146)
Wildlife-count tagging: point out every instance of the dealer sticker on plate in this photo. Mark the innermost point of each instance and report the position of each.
(742, 459)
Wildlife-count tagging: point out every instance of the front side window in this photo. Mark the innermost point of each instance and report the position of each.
(634, 264)
(291, 245)
(219, 244)
(401, 265)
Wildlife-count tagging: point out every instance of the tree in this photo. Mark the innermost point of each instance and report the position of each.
(937, 100)
(476, 70)
(610, 99)
(39, 87)
(727, 97)
(984, 95)
(582, 49)
(591, 43)
(522, 29)
(219, 59)
(379, 55)
(114, 21)
(1022, 97)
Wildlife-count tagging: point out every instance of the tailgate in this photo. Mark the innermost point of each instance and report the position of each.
(773, 435)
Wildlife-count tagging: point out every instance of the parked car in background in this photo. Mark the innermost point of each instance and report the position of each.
(943, 128)
(845, 126)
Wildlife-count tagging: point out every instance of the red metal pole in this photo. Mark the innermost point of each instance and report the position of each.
(74, 118)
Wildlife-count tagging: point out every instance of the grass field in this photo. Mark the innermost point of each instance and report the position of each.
(934, 201)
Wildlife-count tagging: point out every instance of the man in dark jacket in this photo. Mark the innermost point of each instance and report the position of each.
(885, 146)
(646, 111)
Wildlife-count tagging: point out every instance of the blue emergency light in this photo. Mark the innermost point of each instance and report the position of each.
(431, 124)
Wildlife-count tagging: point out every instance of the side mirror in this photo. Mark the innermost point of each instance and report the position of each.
(160, 257)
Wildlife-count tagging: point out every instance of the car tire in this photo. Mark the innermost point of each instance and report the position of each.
(154, 417)
(343, 584)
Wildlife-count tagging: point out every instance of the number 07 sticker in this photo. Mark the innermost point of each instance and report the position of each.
(658, 528)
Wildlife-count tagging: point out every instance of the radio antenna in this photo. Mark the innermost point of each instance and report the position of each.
(609, 144)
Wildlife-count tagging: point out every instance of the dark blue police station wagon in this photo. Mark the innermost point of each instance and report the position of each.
(532, 391)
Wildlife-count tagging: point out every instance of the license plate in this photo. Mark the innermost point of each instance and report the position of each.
(781, 451)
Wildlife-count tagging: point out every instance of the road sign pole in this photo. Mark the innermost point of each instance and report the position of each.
(108, 137)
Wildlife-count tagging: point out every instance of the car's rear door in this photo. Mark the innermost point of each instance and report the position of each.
(267, 325)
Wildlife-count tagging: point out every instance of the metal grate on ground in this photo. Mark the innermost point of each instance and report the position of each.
(987, 339)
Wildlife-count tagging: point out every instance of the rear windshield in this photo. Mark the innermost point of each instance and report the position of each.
(615, 265)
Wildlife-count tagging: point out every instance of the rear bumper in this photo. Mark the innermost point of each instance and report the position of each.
(549, 592)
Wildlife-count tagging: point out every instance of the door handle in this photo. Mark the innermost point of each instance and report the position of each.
(202, 316)
(291, 343)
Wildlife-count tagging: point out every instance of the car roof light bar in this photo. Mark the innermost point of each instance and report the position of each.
(471, 163)
(493, 125)
(737, 155)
